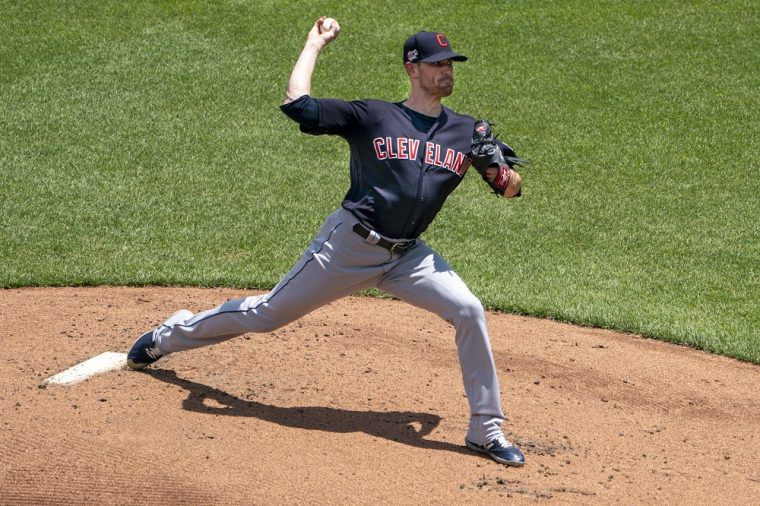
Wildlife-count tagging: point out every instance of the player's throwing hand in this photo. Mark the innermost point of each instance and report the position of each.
(325, 30)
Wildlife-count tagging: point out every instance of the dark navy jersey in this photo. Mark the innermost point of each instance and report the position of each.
(401, 173)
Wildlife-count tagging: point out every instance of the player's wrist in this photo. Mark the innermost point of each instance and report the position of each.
(314, 44)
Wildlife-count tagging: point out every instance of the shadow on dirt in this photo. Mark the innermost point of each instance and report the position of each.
(401, 426)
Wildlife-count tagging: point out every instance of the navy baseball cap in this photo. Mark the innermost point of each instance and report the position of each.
(429, 47)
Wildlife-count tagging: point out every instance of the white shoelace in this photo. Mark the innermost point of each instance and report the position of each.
(501, 439)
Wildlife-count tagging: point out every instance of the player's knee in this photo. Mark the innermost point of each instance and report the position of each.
(258, 314)
(470, 309)
(269, 321)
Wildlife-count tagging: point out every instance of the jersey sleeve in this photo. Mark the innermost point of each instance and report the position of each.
(338, 117)
(303, 110)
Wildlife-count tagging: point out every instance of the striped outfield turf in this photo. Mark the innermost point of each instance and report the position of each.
(142, 144)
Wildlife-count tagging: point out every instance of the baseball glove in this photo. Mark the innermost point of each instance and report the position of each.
(487, 151)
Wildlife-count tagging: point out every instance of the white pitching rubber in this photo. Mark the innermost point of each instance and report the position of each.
(108, 361)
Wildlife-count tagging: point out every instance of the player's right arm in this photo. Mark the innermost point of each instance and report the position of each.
(320, 116)
(299, 83)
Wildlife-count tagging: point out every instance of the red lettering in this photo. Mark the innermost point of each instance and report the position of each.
(414, 146)
(389, 144)
(460, 164)
(379, 152)
(449, 160)
(438, 155)
(402, 148)
(429, 151)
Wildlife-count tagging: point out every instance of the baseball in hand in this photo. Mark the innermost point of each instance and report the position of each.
(327, 24)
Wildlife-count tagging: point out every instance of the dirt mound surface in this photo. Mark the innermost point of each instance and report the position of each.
(360, 402)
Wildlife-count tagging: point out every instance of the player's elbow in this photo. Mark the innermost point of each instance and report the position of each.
(293, 93)
(289, 97)
(515, 185)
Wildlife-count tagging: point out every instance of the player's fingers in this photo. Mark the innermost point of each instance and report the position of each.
(329, 28)
(316, 29)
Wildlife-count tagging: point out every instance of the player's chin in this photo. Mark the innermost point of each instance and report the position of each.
(446, 89)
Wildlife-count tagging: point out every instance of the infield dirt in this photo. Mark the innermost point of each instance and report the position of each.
(360, 402)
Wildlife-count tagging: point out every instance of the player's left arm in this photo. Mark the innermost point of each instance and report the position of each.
(504, 180)
(494, 160)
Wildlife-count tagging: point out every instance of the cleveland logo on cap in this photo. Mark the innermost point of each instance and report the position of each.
(429, 47)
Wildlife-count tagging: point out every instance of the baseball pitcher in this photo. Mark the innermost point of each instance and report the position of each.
(405, 159)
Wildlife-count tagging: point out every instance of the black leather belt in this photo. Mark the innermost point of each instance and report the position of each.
(398, 247)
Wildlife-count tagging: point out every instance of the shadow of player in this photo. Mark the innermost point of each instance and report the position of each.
(401, 426)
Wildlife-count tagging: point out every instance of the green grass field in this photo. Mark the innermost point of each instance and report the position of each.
(141, 143)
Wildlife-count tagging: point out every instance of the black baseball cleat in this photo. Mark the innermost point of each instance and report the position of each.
(144, 352)
(499, 449)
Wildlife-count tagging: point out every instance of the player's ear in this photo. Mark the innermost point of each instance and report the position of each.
(412, 69)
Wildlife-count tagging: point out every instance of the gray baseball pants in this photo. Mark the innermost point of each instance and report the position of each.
(338, 263)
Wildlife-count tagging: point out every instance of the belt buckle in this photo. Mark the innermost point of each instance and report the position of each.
(401, 247)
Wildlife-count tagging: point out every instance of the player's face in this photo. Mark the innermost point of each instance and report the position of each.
(437, 79)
